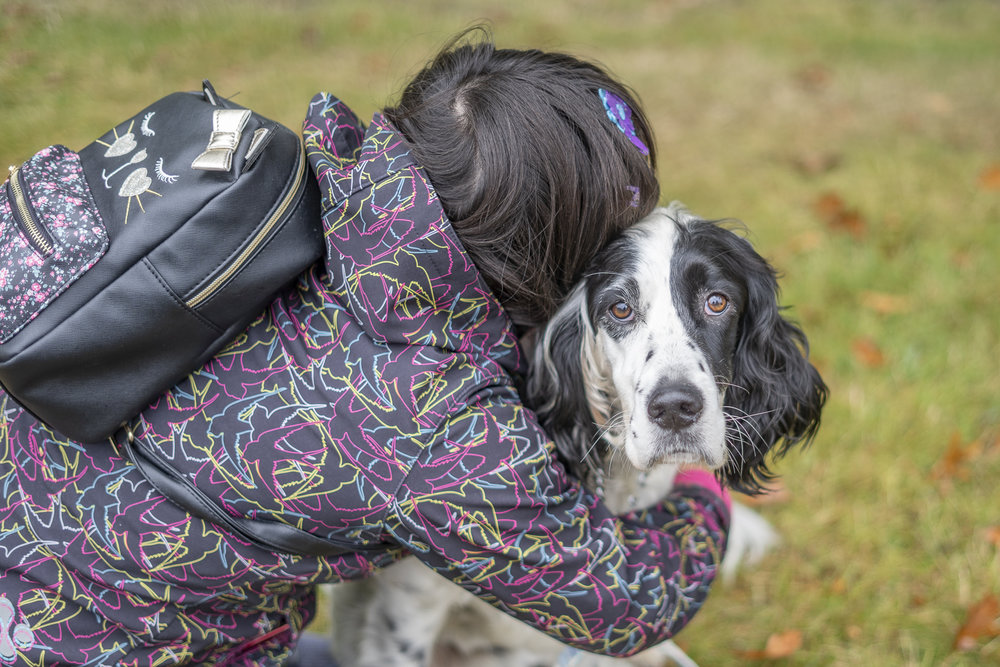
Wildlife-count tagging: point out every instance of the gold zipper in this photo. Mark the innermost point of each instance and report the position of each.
(238, 263)
(26, 217)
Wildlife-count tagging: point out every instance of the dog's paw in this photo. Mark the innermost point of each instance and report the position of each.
(751, 537)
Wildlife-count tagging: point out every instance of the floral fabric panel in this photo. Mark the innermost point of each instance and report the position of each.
(50, 233)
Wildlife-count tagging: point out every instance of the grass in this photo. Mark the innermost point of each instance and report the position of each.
(888, 109)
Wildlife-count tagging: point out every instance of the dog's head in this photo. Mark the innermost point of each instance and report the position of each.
(673, 349)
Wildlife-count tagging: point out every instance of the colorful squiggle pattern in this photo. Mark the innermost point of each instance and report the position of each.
(374, 403)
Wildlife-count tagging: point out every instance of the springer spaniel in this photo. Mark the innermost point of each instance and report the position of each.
(672, 351)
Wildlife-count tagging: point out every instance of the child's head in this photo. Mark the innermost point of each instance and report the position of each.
(530, 160)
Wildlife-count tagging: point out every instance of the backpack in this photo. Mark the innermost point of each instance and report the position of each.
(126, 266)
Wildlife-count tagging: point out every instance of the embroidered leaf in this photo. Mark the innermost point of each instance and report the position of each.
(982, 621)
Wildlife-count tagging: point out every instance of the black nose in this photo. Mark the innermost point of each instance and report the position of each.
(675, 405)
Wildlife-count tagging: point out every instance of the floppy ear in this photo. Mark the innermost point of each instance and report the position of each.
(776, 395)
(557, 380)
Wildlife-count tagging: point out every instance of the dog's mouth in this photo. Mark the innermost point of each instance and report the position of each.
(647, 455)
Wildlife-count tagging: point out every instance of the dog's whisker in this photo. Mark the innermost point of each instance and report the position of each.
(743, 438)
(741, 423)
(609, 426)
(748, 414)
(719, 381)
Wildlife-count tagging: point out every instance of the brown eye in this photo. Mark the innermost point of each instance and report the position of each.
(716, 304)
(621, 311)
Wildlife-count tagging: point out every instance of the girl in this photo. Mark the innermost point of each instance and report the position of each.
(375, 406)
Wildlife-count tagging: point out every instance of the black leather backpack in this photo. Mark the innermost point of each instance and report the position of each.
(129, 264)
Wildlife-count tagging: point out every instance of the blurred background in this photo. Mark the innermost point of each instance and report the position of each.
(859, 141)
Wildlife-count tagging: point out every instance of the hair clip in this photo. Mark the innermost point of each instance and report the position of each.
(635, 196)
(621, 115)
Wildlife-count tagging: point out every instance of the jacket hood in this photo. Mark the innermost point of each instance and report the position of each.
(391, 251)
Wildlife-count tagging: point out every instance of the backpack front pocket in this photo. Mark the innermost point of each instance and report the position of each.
(50, 234)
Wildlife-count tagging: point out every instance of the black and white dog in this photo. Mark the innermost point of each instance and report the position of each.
(672, 351)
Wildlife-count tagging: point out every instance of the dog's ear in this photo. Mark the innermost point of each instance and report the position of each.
(777, 395)
(555, 383)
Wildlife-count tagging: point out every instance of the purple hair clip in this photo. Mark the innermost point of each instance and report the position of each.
(635, 196)
(621, 115)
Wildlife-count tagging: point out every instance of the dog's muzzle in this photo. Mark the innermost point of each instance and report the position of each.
(675, 406)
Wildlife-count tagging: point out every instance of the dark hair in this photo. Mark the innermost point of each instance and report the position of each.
(533, 174)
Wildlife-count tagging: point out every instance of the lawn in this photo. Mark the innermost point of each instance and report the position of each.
(859, 141)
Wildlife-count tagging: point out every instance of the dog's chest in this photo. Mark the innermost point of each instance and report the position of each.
(623, 488)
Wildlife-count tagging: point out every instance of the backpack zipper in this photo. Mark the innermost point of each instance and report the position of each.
(208, 291)
(25, 217)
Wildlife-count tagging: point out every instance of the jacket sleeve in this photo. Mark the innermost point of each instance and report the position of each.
(489, 507)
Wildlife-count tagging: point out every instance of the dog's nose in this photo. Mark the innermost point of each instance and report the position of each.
(675, 405)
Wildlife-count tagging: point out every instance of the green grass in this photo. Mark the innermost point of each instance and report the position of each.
(760, 109)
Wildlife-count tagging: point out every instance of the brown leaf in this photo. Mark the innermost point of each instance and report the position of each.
(783, 644)
(953, 464)
(779, 645)
(885, 304)
(993, 536)
(981, 622)
(989, 178)
(828, 205)
(868, 353)
(833, 210)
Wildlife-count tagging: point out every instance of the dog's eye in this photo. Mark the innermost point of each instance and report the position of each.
(716, 304)
(621, 311)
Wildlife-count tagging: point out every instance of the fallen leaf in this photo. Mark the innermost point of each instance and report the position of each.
(989, 178)
(953, 464)
(833, 210)
(993, 536)
(981, 622)
(885, 304)
(783, 644)
(828, 205)
(779, 645)
(868, 353)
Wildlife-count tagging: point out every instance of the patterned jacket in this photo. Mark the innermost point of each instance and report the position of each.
(375, 403)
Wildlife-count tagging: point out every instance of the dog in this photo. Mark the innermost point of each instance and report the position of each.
(672, 351)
